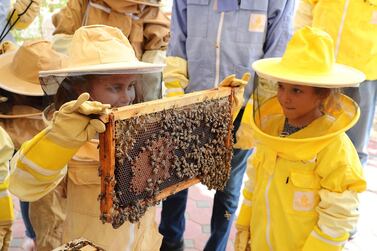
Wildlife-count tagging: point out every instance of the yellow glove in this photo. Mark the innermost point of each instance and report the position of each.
(27, 10)
(152, 82)
(241, 242)
(7, 46)
(239, 87)
(175, 76)
(71, 126)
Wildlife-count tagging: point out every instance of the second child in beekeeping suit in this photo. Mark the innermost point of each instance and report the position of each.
(21, 116)
(87, 85)
(141, 21)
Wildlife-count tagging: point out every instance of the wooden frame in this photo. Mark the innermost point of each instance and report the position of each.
(126, 112)
(107, 141)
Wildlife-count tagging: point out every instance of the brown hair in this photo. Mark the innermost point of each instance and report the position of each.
(330, 98)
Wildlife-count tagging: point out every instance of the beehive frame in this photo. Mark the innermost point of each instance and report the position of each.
(79, 245)
(108, 144)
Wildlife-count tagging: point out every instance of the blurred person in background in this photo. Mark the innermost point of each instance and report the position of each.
(6, 204)
(141, 21)
(21, 116)
(19, 16)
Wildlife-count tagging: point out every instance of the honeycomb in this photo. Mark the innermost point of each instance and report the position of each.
(158, 150)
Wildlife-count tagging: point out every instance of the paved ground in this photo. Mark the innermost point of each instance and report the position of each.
(200, 205)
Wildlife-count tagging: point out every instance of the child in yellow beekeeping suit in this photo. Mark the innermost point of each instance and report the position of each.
(304, 175)
(6, 205)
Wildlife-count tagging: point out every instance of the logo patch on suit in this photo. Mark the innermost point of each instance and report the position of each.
(303, 201)
(257, 22)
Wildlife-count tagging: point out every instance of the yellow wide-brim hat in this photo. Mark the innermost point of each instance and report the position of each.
(309, 60)
(19, 68)
(101, 49)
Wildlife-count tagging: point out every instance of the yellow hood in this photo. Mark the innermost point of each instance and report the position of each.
(306, 143)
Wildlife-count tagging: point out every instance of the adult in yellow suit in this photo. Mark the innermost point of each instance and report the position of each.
(353, 26)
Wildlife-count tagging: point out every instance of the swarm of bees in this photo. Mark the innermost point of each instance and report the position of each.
(79, 244)
(158, 150)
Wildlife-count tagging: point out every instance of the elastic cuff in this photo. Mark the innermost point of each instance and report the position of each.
(320, 241)
(173, 92)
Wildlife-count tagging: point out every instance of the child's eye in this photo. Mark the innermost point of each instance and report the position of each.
(114, 88)
(297, 91)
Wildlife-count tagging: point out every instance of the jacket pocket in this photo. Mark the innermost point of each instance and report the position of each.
(252, 22)
(197, 18)
(305, 191)
(84, 174)
(305, 181)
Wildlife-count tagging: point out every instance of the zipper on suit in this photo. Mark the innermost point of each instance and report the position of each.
(345, 10)
(218, 49)
(268, 213)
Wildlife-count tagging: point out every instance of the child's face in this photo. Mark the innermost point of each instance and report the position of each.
(301, 104)
(116, 90)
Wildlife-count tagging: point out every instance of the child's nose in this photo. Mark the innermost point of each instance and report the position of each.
(285, 97)
(125, 99)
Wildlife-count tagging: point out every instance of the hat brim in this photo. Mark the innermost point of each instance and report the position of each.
(12, 83)
(111, 68)
(340, 76)
(146, 3)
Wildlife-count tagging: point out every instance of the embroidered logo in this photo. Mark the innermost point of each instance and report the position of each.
(257, 22)
(303, 201)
